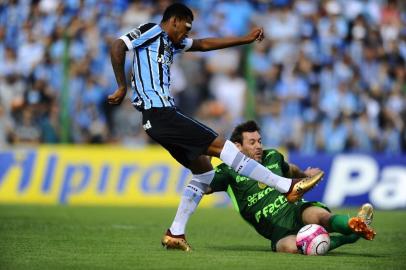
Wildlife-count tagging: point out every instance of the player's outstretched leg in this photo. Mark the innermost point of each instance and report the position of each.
(360, 223)
(170, 241)
(300, 186)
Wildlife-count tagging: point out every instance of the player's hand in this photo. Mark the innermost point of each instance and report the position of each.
(118, 96)
(256, 34)
(312, 171)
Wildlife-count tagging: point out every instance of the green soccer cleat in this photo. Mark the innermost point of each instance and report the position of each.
(170, 241)
(300, 186)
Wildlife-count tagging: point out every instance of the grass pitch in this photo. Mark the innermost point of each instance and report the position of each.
(58, 237)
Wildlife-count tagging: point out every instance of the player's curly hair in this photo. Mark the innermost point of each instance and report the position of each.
(249, 126)
(177, 10)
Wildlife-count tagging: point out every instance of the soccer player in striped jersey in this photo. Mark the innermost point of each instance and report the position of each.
(188, 141)
(269, 212)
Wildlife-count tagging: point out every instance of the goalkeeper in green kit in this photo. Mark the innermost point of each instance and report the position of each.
(268, 211)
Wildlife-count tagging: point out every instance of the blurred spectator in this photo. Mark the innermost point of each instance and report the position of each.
(330, 75)
(230, 90)
(26, 131)
(50, 126)
(11, 93)
(390, 134)
(127, 125)
(194, 88)
(281, 27)
(391, 23)
(363, 134)
(278, 129)
(261, 65)
(6, 127)
(291, 90)
(9, 65)
(137, 13)
(30, 53)
(335, 134)
(237, 15)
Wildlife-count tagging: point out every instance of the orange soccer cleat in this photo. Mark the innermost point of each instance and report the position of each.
(359, 226)
(361, 223)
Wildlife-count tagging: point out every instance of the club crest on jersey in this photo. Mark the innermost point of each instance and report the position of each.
(261, 185)
(161, 59)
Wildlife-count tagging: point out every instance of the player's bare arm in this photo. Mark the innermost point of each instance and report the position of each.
(311, 171)
(208, 44)
(117, 54)
(295, 171)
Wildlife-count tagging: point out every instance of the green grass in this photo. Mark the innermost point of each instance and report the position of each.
(44, 237)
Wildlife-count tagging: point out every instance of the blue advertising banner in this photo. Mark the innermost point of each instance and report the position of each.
(352, 179)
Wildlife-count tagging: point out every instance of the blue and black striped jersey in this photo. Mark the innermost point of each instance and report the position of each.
(153, 56)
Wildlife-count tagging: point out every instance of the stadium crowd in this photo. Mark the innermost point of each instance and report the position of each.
(329, 77)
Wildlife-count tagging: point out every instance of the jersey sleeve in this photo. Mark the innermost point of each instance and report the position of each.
(275, 161)
(284, 165)
(185, 45)
(141, 35)
(221, 179)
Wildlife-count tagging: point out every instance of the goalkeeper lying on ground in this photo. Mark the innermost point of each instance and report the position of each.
(268, 211)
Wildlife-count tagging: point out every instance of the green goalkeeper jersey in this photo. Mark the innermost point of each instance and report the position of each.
(261, 206)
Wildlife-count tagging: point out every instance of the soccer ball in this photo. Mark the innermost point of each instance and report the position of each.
(313, 239)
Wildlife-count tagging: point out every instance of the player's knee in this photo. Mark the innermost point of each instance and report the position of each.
(202, 181)
(324, 219)
(216, 147)
(205, 178)
(200, 165)
(316, 215)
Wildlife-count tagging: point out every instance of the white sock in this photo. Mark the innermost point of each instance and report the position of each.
(243, 165)
(189, 201)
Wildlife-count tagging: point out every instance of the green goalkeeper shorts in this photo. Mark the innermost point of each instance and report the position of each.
(291, 222)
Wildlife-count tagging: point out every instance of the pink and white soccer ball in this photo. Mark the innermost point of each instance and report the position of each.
(313, 239)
